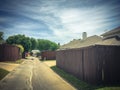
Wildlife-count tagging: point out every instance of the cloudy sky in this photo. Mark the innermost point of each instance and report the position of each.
(58, 20)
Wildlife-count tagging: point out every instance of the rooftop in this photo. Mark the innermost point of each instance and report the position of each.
(111, 41)
(77, 43)
(113, 31)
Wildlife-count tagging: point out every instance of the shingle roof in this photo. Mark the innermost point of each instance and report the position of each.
(114, 31)
(82, 43)
(111, 41)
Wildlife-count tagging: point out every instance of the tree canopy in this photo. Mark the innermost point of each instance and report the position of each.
(31, 43)
(21, 48)
(20, 39)
(46, 45)
(1, 37)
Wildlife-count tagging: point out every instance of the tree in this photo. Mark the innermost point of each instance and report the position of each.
(1, 37)
(26, 43)
(33, 43)
(20, 39)
(46, 45)
(54, 46)
(21, 48)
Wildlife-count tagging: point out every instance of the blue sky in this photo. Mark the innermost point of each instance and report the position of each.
(58, 20)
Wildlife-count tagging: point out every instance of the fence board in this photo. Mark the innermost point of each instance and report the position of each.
(48, 55)
(94, 64)
(9, 52)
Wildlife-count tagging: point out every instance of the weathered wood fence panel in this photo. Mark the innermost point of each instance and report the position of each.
(94, 64)
(48, 55)
(109, 62)
(9, 52)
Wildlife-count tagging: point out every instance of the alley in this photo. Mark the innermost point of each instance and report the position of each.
(33, 75)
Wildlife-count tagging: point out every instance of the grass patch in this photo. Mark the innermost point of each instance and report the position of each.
(109, 88)
(80, 85)
(3, 73)
(15, 62)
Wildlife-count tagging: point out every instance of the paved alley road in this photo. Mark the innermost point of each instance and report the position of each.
(33, 75)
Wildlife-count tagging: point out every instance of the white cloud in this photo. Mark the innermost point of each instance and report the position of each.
(3, 19)
(65, 23)
(76, 21)
(24, 26)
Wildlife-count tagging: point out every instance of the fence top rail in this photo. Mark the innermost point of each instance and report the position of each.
(7, 45)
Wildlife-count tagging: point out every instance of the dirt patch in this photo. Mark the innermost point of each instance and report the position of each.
(50, 63)
(8, 66)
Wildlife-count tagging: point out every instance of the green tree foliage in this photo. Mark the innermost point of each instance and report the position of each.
(1, 37)
(33, 43)
(20, 39)
(21, 48)
(46, 45)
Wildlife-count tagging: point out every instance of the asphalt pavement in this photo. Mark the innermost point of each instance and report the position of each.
(34, 75)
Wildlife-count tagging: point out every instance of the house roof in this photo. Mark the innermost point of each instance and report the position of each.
(77, 43)
(111, 41)
(111, 32)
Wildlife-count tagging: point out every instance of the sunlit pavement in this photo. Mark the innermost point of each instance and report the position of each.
(8, 66)
(33, 75)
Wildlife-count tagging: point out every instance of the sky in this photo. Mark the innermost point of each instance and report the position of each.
(58, 20)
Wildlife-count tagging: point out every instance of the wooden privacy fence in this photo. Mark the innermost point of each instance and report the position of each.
(9, 52)
(94, 64)
(48, 55)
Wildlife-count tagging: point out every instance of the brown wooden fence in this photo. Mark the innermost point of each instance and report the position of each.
(9, 52)
(48, 55)
(94, 64)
